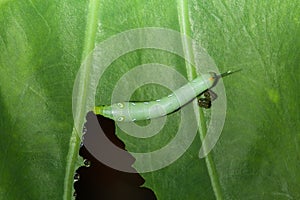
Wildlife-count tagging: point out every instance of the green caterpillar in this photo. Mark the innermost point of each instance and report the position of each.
(135, 111)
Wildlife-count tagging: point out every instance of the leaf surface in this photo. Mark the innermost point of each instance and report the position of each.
(42, 45)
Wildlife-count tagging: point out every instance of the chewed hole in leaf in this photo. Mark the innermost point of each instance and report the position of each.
(98, 181)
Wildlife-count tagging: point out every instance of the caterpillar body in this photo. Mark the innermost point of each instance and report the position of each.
(135, 111)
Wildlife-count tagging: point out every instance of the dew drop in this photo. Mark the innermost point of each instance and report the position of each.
(76, 177)
(133, 120)
(84, 130)
(170, 95)
(87, 163)
(146, 102)
(133, 104)
(158, 100)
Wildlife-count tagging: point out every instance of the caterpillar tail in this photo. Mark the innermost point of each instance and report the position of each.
(98, 110)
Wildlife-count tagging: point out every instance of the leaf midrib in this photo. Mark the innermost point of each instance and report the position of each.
(89, 44)
(185, 29)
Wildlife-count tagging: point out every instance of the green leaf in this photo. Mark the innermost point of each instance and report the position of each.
(41, 47)
(43, 43)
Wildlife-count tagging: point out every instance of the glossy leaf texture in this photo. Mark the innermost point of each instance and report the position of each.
(42, 44)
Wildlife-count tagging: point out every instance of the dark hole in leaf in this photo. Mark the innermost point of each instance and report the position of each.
(98, 181)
